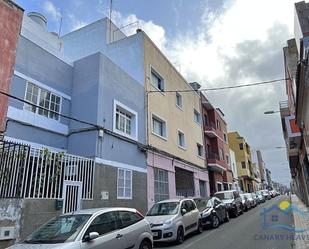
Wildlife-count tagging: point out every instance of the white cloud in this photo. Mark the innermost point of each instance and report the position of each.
(52, 10)
(75, 23)
(154, 31)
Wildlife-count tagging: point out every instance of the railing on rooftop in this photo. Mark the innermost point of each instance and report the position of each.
(284, 104)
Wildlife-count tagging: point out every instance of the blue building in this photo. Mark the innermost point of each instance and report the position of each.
(83, 127)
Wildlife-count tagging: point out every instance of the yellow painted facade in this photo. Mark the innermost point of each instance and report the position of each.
(162, 104)
(242, 156)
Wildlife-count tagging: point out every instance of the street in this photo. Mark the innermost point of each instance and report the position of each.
(243, 232)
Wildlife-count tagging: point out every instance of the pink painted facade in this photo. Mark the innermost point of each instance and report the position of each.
(159, 161)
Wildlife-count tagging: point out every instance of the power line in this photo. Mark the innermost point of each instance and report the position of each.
(225, 87)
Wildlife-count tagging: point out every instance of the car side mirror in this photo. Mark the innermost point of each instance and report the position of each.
(91, 236)
(183, 211)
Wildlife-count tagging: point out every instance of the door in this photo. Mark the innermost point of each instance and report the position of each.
(131, 227)
(106, 225)
(219, 207)
(190, 218)
(72, 194)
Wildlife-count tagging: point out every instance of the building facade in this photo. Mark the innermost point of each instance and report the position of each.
(294, 111)
(217, 150)
(243, 156)
(261, 166)
(10, 23)
(79, 130)
(234, 170)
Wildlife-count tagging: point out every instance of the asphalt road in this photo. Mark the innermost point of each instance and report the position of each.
(243, 232)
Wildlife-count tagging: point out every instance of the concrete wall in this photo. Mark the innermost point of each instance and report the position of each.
(10, 24)
(106, 180)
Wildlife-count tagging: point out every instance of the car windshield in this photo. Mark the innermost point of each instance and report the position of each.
(249, 196)
(243, 197)
(202, 204)
(165, 208)
(225, 195)
(59, 230)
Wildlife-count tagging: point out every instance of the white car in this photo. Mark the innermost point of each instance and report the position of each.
(115, 228)
(171, 220)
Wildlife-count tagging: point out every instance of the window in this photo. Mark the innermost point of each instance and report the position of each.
(157, 81)
(221, 154)
(200, 150)
(124, 184)
(158, 126)
(219, 186)
(203, 189)
(227, 159)
(243, 165)
(44, 99)
(241, 146)
(181, 140)
(197, 117)
(218, 125)
(128, 218)
(161, 190)
(206, 119)
(103, 224)
(224, 137)
(125, 120)
(179, 100)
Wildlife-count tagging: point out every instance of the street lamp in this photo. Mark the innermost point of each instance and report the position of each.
(270, 112)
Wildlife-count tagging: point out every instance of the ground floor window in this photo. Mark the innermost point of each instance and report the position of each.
(124, 184)
(225, 186)
(219, 186)
(203, 189)
(161, 191)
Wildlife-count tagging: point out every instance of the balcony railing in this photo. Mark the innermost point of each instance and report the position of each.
(213, 156)
(284, 104)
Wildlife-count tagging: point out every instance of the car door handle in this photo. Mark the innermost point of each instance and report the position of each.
(118, 236)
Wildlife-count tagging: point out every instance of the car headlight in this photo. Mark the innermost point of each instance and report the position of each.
(167, 222)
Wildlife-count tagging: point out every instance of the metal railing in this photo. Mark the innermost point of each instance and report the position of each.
(283, 104)
(27, 172)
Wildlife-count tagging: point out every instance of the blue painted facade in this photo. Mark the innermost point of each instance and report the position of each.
(89, 87)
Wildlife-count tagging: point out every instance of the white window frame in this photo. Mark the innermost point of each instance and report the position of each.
(155, 72)
(184, 140)
(37, 107)
(219, 183)
(134, 121)
(124, 186)
(199, 122)
(203, 151)
(179, 106)
(153, 115)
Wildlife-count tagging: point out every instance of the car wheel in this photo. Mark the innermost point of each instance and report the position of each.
(199, 227)
(235, 212)
(215, 222)
(227, 216)
(145, 245)
(180, 235)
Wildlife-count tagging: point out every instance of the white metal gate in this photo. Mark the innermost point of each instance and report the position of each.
(72, 195)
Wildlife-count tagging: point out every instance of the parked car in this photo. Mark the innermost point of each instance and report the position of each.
(171, 220)
(212, 210)
(255, 198)
(251, 200)
(246, 205)
(266, 194)
(115, 228)
(232, 200)
(260, 197)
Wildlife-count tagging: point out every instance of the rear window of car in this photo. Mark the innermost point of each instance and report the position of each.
(128, 218)
(224, 195)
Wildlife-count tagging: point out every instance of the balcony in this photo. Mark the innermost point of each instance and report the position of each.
(284, 108)
(215, 164)
(210, 130)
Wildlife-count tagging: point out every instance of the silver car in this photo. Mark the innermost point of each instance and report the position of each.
(115, 228)
(171, 220)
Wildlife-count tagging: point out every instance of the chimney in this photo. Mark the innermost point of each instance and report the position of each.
(39, 19)
(195, 86)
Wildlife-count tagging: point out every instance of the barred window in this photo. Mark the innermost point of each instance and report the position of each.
(161, 191)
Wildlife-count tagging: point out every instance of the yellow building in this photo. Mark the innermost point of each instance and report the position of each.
(243, 157)
(175, 132)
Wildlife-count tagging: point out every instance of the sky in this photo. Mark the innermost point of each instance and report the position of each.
(214, 42)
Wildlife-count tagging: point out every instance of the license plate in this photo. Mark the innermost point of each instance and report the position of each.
(155, 234)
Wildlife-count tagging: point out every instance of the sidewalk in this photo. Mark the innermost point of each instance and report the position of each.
(300, 223)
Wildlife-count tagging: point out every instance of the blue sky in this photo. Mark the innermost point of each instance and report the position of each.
(213, 42)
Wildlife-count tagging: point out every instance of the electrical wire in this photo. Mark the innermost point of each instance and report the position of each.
(224, 87)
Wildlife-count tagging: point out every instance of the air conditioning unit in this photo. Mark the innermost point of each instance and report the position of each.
(7, 233)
